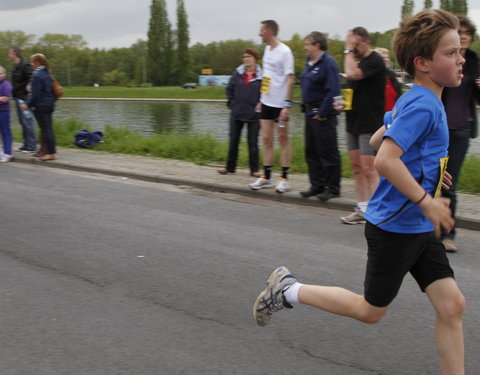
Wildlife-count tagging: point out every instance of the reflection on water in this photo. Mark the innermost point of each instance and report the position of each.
(154, 117)
(168, 118)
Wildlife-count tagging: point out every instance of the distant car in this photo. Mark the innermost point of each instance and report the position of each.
(189, 86)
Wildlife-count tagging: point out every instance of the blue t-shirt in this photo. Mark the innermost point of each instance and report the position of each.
(418, 125)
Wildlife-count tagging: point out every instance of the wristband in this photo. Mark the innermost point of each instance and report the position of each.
(422, 198)
(287, 103)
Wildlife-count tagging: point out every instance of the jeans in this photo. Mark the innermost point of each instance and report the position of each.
(457, 149)
(322, 155)
(28, 129)
(44, 120)
(253, 129)
(6, 132)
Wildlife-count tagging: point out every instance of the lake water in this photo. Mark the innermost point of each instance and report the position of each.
(157, 117)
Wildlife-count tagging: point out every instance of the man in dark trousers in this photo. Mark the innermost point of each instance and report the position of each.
(320, 83)
(21, 74)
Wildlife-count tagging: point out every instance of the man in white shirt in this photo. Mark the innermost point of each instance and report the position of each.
(276, 100)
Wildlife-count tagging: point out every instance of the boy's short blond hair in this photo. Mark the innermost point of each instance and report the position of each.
(420, 35)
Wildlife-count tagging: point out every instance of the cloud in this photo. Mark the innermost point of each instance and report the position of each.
(119, 23)
(25, 4)
(103, 24)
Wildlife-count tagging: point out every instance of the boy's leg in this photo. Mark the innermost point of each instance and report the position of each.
(331, 299)
(340, 301)
(449, 305)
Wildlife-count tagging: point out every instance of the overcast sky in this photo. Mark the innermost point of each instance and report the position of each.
(120, 23)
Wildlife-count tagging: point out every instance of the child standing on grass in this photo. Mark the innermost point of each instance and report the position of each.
(5, 131)
(406, 214)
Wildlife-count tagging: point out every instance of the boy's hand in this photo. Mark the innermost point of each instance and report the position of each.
(437, 210)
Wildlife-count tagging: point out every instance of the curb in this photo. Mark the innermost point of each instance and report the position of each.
(292, 198)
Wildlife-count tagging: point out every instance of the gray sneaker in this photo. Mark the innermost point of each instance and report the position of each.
(355, 217)
(271, 299)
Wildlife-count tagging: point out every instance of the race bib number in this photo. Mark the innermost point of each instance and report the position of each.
(348, 95)
(443, 168)
(265, 88)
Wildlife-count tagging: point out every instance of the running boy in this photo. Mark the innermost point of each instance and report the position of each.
(405, 214)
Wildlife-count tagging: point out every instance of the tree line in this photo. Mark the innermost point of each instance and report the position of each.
(166, 58)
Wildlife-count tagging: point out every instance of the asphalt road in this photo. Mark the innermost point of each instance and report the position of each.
(103, 275)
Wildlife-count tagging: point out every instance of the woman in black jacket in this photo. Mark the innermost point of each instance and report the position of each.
(42, 102)
(460, 106)
(243, 93)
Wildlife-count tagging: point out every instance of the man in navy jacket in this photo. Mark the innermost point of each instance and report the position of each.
(320, 82)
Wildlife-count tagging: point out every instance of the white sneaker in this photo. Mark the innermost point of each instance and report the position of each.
(260, 183)
(5, 158)
(282, 185)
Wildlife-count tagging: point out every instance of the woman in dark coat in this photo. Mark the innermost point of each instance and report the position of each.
(42, 103)
(243, 93)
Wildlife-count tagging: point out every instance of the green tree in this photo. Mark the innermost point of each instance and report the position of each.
(455, 6)
(15, 38)
(115, 78)
(445, 4)
(460, 7)
(428, 4)
(183, 72)
(68, 56)
(229, 55)
(296, 45)
(201, 55)
(407, 8)
(140, 51)
(159, 43)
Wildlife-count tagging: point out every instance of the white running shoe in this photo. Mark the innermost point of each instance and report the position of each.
(260, 183)
(5, 158)
(282, 185)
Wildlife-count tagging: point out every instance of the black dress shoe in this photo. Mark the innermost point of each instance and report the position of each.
(326, 195)
(310, 193)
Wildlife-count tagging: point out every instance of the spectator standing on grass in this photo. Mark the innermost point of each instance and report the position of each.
(42, 103)
(460, 105)
(320, 82)
(5, 131)
(365, 72)
(21, 75)
(276, 99)
(243, 94)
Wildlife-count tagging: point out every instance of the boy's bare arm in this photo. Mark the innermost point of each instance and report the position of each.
(389, 165)
(377, 138)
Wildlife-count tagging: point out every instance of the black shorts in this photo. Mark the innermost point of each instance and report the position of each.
(270, 113)
(392, 255)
